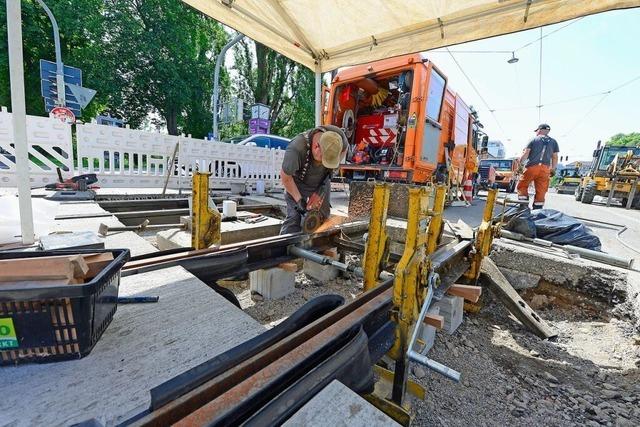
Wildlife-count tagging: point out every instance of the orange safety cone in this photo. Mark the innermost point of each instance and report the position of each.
(467, 190)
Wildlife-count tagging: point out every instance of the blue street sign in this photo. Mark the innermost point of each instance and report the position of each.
(72, 75)
(49, 89)
(50, 104)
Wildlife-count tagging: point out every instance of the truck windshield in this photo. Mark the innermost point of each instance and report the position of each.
(610, 153)
(436, 93)
(501, 165)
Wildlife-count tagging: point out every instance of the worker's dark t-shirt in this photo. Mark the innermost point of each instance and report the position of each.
(542, 148)
(296, 156)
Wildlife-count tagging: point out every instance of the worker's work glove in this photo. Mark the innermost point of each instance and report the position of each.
(521, 168)
(301, 206)
(552, 173)
(314, 202)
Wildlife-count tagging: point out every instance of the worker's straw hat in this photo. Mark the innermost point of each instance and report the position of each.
(331, 145)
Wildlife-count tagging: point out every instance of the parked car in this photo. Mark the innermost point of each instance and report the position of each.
(266, 141)
(235, 139)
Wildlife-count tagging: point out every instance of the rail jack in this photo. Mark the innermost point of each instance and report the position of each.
(205, 221)
(417, 283)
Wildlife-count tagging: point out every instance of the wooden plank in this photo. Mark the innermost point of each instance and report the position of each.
(502, 289)
(96, 263)
(434, 320)
(69, 268)
(468, 292)
(289, 266)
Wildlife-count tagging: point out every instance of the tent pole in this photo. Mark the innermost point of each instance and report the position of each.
(19, 117)
(318, 98)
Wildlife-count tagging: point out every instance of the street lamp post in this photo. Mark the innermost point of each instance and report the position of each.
(59, 65)
(216, 79)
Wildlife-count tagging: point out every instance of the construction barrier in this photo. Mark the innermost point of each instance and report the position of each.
(131, 158)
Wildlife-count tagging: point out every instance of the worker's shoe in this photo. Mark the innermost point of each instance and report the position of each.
(523, 198)
(538, 205)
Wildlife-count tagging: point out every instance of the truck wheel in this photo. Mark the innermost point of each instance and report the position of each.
(588, 193)
(578, 193)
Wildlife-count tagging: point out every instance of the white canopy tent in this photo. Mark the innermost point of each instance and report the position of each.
(327, 34)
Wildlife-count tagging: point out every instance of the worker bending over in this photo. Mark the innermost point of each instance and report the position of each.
(308, 162)
(541, 156)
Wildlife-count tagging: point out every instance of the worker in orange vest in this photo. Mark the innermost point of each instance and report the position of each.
(541, 157)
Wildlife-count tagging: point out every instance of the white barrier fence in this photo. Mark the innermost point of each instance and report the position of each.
(129, 158)
(49, 148)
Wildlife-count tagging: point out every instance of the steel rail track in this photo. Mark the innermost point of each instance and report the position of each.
(252, 391)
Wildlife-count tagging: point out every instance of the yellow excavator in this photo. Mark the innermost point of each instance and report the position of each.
(614, 174)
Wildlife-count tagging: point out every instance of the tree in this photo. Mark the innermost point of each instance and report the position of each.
(266, 77)
(144, 57)
(626, 140)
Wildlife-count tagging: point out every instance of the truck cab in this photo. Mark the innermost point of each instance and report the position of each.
(403, 123)
(505, 174)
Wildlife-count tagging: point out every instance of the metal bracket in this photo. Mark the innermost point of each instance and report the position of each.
(416, 356)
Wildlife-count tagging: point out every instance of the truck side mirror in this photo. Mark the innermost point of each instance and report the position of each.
(485, 142)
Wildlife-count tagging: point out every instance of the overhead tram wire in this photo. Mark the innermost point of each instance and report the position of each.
(575, 125)
(548, 34)
(477, 92)
(605, 95)
(568, 100)
(540, 81)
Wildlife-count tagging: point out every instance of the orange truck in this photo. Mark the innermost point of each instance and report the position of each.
(404, 123)
(505, 173)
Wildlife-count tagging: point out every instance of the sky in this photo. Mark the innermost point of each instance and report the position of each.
(590, 56)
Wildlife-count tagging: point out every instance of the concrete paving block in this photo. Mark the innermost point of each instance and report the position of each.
(273, 283)
(337, 406)
(428, 335)
(452, 309)
(321, 273)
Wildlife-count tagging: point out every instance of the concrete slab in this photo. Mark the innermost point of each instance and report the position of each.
(118, 240)
(600, 280)
(231, 232)
(337, 406)
(145, 345)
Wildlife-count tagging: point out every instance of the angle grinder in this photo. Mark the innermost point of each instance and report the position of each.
(311, 221)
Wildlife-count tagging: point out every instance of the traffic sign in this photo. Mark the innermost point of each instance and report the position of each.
(48, 71)
(50, 104)
(63, 114)
(84, 95)
(49, 89)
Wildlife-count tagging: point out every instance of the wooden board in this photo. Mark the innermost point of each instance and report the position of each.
(70, 267)
(468, 292)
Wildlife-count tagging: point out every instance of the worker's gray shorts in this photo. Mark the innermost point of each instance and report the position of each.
(292, 222)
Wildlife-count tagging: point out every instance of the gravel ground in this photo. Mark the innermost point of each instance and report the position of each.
(589, 376)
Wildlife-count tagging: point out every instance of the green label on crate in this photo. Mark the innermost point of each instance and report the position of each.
(8, 338)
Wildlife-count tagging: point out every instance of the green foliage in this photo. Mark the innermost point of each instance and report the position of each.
(269, 78)
(625, 140)
(144, 57)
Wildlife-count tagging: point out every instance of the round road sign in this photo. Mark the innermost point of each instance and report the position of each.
(63, 114)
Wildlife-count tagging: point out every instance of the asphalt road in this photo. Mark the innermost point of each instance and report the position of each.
(616, 216)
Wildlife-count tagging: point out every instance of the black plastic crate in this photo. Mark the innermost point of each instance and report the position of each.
(61, 322)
